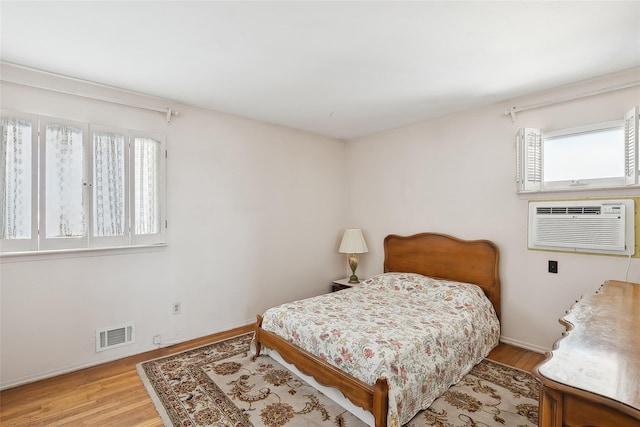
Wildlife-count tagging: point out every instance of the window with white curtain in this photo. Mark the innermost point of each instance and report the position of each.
(148, 184)
(601, 155)
(18, 159)
(70, 185)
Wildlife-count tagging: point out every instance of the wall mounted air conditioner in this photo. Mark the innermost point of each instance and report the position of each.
(592, 226)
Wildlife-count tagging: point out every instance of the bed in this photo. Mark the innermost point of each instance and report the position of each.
(447, 262)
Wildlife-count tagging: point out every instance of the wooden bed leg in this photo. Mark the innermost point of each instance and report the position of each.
(256, 337)
(380, 402)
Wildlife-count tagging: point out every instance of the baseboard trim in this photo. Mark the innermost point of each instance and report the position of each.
(73, 368)
(68, 369)
(525, 345)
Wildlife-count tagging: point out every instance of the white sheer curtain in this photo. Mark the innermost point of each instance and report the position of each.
(15, 178)
(147, 212)
(65, 215)
(47, 167)
(108, 184)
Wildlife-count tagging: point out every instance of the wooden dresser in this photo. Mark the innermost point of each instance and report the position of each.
(592, 377)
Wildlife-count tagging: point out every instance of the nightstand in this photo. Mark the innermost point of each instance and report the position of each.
(340, 284)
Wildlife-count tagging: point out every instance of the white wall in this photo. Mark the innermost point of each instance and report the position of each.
(255, 215)
(455, 175)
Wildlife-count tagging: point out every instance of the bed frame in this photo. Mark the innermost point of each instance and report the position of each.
(434, 255)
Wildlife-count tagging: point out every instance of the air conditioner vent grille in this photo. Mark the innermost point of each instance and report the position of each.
(115, 336)
(569, 210)
(567, 232)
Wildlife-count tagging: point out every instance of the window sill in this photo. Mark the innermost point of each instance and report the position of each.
(9, 257)
(631, 189)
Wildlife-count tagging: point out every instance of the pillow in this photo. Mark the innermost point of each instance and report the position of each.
(408, 282)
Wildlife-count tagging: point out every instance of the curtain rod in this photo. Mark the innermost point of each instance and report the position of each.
(167, 111)
(512, 112)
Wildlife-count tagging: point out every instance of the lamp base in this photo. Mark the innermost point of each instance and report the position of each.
(353, 265)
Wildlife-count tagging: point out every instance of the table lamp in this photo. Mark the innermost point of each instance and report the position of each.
(353, 244)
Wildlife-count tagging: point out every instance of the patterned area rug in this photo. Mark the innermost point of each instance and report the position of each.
(219, 385)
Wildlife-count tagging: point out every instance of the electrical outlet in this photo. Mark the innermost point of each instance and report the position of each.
(156, 339)
(553, 266)
(176, 308)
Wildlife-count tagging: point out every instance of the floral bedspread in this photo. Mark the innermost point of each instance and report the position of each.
(421, 334)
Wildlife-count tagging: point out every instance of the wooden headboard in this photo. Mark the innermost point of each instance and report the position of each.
(446, 257)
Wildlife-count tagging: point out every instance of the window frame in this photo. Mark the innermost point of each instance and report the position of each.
(30, 244)
(57, 243)
(109, 241)
(39, 243)
(530, 158)
(160, 237)
(617, 181)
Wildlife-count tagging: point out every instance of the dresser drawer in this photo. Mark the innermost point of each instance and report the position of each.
(580, 412)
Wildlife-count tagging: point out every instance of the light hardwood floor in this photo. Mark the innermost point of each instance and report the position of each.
(113, 395)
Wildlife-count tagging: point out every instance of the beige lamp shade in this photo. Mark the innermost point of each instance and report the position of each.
(353, 242)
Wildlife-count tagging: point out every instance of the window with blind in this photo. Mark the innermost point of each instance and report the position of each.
(603, 155)
(70, 185)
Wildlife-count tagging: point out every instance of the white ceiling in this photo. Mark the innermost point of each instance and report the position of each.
(336, 68)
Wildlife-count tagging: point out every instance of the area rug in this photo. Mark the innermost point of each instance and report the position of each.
(220, 385)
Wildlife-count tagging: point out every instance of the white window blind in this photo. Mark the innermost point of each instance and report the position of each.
(529, 159)
(631, 162)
